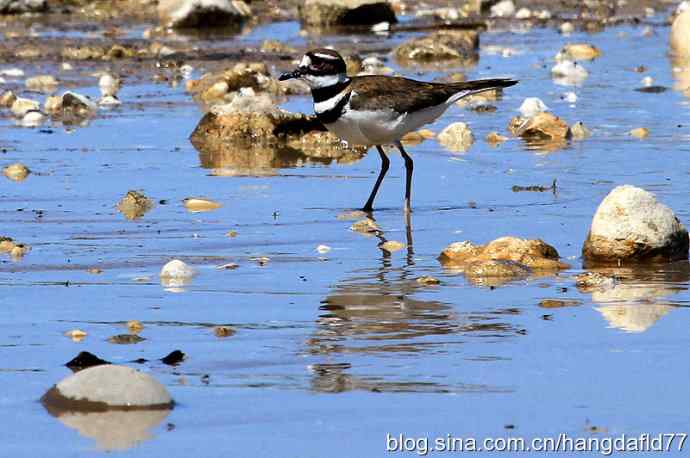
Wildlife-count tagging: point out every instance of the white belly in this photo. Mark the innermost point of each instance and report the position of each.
(380, 127)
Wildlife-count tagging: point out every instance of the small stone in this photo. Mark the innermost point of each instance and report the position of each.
(94, 270)
(276, 46)
(7, 99)
(177, 269)
(456, 137)
(532, 106)
(53, 104)
(109, 101)
(125, 339)
(640, 132)
(569, 73)
(108, 386)
(16, 171)
(231, 234)
(19, 250)
(173, 358)
(108, 84)
(578, 51)
(523, 13)
(559, 303)
(77, 335)
(326, 13)
(428, 280)
(21, 106)
(588, 281)
(647, 81)
(196, 205)
(542, 126)
(42, 83)
(6, 244)
(392, 246)
(569, 97)
(323, 249)
(365, 226)
(135, 326)
(567, 28)
(223, 331)
(579, 131)
(33, 119)
(494, 138)
(262, 260)
(134, 205)
(381, 27)
(504, 9)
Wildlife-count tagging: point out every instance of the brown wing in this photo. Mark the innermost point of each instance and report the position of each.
(404, 95)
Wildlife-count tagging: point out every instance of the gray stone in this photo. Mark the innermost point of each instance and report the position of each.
(22, 6)
(202, 13)
(106, 387)
(630, 225)
(323, 13)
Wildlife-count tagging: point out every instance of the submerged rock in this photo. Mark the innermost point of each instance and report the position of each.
(109, 84)
(21, 106)
(134, 205)
(7, 99)
(542, 126)
(508, 258)
(108, 386)
(197, 205)
(456, 137)
(640, 132)
(532, 106)
(365, 226)
(202, 13)
(445, 47)
(504, 9)
(630, 226)
(323, 13)
(579, 131)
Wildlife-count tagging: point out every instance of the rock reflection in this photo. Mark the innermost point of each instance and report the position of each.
(113, 430)
(635, 301)
(230, 160)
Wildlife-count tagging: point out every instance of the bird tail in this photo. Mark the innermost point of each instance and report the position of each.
(467, 88)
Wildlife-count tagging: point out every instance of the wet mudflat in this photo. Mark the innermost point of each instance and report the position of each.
(333, 349)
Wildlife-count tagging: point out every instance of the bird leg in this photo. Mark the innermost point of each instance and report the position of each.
(385, 163)
(409, 167)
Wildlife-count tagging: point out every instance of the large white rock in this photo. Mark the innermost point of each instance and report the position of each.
(456, 137)
(680, 34)
(532, 106)
(504, 8)
(631, 225)
(202, 13)
(177, 269)
(109, 386)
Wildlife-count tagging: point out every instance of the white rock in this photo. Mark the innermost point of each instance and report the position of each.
(504, 8)
(683, 6)
(42, 83)
(647, 81)
(12, 72)
(569, 97)
(569, 73)
(523, 13)
(66, 67)
(532, 106)
(33, 119)
(108, 84)
(456, 137)
(21, 106)
(381, 27)
(567, 28)
(186, 70)
(323, 249)
(177, 269)
(544, 15)
(74, 100)
(112, 385)
(109, 101)
(630, 224)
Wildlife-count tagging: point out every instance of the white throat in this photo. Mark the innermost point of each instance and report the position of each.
(321, 81)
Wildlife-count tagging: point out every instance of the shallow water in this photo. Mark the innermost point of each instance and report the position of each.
(333, 351)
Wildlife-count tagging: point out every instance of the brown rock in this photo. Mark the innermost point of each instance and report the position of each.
(323, 13)
(542, 126)
(444, 47)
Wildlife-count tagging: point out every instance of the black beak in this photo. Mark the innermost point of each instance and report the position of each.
(290, 75)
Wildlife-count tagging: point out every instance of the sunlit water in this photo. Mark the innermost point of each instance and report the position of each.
(335, 350)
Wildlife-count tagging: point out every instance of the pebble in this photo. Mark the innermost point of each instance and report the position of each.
(223, 331)
(109, 101)
(33, 118)
(365, 226)
(12, 72)
(504, 8)
(323, 249)
(569, 73)
(428, 280)
(579, 131)
(77, 335)
(578, 51)
(21, 106)
(228, 266)
(494, 138)
(19, 250)
(16, 171)
(567, 28)
(42, 83)
(523, 13)
(392, 246)
(640, 132)
(196, 205)
(7, 99)
(569, 97)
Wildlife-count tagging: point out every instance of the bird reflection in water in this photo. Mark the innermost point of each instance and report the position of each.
(374, 312)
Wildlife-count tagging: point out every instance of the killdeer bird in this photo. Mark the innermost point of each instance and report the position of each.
(378, 110)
